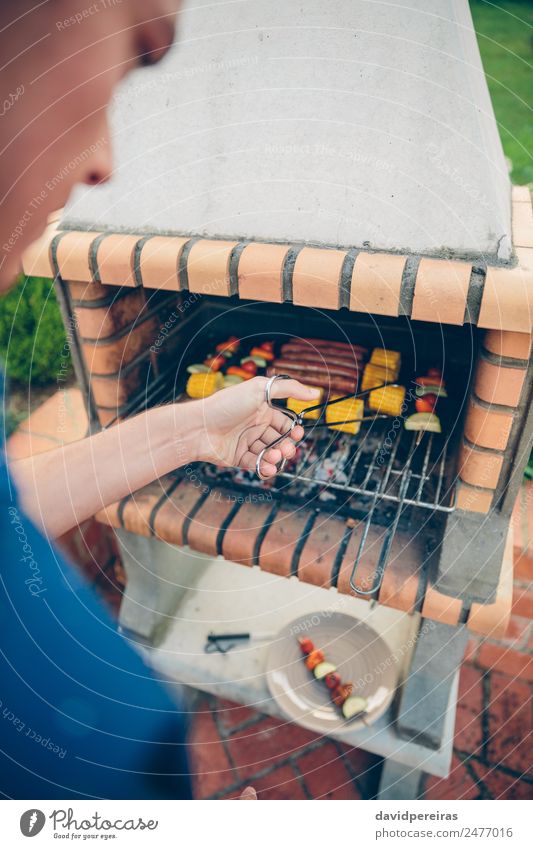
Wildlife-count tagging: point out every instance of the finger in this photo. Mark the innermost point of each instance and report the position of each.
(294, 389)
(285, 448)
(297, 433)
(249, 462)
(248, 793)
(273, 455)
(269, 435)
(282, 424)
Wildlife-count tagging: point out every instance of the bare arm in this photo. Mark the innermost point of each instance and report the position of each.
(63, 487)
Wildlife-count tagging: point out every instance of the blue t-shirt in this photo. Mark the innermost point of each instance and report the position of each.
(81, 715)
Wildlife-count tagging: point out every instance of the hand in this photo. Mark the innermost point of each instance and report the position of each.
(238, 424)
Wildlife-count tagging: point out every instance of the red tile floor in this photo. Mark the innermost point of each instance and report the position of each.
(233, 746)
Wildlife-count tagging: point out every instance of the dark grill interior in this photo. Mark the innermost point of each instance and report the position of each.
(380, 476)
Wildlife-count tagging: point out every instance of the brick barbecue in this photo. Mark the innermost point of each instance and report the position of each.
(142, 298)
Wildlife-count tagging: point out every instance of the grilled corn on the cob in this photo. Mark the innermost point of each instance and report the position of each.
(376, 376)
(344, 412)
(202, 385)
(388, 400)
(390, 360)
(298, 406)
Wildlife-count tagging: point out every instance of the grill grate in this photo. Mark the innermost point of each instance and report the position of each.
(377, 461)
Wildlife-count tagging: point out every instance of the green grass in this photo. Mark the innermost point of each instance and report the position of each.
(505, 34)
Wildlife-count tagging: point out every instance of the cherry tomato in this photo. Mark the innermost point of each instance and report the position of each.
(268, 346)
(435, 372)
(306, 645)
(250, 367)
(215, 363)
(426, 404)
(332, 679)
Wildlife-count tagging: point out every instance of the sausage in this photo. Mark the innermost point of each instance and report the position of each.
(312, 365)
(329, 344)
(341, 385)
(328, 358)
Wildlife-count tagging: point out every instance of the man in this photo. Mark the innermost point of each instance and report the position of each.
(82, 716)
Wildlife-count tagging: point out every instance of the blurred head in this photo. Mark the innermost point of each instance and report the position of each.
(61, 61)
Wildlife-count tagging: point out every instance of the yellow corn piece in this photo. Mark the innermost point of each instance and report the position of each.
(390, 360)
(388, 400)
(202, 385)
(376, 376)
(298, 406)
(345, 411)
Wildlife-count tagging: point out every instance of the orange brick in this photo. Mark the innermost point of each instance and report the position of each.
(509, 720)
(473, 499)
(376, 283)
(170, 518)
(498, 658)
(521, 194)
(493, 619)
(497, 384)
(138, 509)
(325, 774)
(487, 428)
(507, 302)
(458, 785)
(114, 393)
(316, 278)
(241, 536)
(441, 290)
(479, 468)
(506, 343)
(205, 527)
(260, 272)
(277, 548)
(442, 608)
(99, 322)
(115, 259)
(522, 225)
(320, 550)
(523, 602)
(106, 417)
(211, 770)
(109, 358)
(468, 731)
(73, 252)
(88, 291)
(159, 260)
(208, 267)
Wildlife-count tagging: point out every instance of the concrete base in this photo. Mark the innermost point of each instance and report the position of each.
(398, 782)
(228, 598)
(154, 585)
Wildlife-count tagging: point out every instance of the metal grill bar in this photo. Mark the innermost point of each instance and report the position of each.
(357, 469)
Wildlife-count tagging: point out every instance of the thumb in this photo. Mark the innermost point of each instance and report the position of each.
(294, 389)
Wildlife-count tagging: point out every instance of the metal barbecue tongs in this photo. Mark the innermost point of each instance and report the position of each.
(298, 419)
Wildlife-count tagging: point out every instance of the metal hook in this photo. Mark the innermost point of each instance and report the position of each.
(295, 420)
